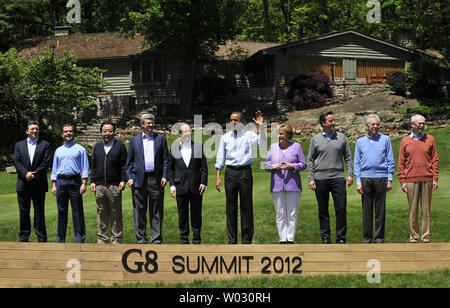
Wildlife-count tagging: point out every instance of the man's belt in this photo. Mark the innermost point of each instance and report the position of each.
(238, 167)
(69, 177)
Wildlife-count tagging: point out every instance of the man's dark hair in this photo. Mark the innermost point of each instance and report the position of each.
(323, 115)
(68, 124)
(107, 122)
(32, 122)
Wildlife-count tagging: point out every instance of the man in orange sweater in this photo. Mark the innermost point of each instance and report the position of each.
(418, 172)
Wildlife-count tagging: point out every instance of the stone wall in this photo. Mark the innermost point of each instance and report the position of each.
(350, 91)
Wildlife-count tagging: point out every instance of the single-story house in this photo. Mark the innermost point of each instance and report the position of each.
(138, 76)
(347, 55)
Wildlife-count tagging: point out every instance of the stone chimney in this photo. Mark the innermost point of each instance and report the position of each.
(406, 38)
(63, 30)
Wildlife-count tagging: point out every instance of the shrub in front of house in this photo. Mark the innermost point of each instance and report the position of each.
(397, 81)
(310, 90)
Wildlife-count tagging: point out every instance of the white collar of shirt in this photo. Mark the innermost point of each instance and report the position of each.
(31, 144)
(416, 137)
(186, 152)
(238, 133)
(108, 146)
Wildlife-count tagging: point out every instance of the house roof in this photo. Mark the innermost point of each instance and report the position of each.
(337, 34)
(250, 48)
(111, 45)
(84, 46)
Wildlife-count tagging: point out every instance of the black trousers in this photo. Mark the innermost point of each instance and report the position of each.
(239, 181)
(24, 199)
(194, 201)
(337, 188)
(150, 196)
(374, 197)
(69, 189)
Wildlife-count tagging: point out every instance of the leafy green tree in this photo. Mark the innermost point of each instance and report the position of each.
(187, 29)
(14, 88)
(20, 19)
(45, 85)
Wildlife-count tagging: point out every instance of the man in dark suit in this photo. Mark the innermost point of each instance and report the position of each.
(147, 162)
(32, 157)
(188, 175)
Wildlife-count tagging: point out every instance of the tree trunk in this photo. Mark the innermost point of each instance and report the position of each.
(287, 17)
(266, 21)
(185, 107)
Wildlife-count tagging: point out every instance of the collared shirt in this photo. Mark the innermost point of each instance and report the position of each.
(374, 158)
(330, 136)
(149, 152)
(69, 160)
(236, 149)
(108, 146)
(31, 148)
(186, 153)
(412, 135)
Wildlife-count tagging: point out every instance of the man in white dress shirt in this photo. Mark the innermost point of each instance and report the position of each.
(188, 176)
(236, 152)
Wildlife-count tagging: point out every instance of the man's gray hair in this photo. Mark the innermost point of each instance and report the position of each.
(415, 117)
(147, 116)
(371, 116)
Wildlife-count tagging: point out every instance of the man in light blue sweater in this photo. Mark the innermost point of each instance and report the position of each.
(374, 167)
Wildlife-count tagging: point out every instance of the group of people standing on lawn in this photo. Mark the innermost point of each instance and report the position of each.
(149, 165)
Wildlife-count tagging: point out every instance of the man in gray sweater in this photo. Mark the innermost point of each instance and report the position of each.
(327, 151)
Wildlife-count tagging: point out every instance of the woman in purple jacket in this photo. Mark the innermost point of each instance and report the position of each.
(285, 160)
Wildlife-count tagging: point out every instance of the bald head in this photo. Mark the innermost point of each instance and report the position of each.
(185, 133)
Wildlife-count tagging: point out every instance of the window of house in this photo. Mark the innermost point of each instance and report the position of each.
(147, 70)
(136, 71)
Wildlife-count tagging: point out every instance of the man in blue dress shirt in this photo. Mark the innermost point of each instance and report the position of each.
(235, 152)
(69, 176)
(374, 167)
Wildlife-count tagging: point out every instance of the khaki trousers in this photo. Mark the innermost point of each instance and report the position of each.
(419, 192)
(109, 213)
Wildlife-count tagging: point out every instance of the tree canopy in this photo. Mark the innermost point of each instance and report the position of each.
(187, 29)
(291, 20)
(257, 20)
(31, 90)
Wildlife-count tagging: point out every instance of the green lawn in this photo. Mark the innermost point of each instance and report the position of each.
(214, 221)
(428, 279)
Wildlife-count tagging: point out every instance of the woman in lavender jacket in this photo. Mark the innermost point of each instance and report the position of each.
(285, 160)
